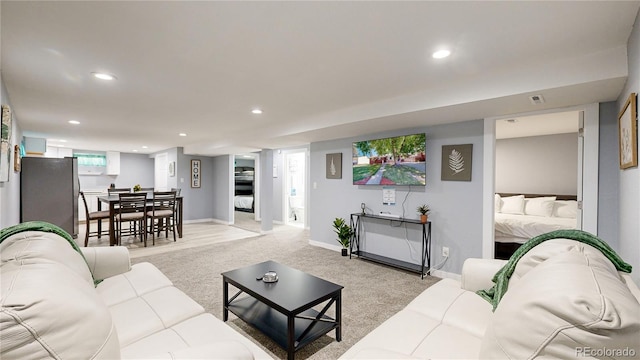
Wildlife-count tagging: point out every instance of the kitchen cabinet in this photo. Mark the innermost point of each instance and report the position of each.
(113, 163)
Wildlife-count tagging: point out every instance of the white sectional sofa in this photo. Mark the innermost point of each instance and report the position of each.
(564, 300)
(50, 307)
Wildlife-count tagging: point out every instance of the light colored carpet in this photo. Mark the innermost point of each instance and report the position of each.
(371, 294)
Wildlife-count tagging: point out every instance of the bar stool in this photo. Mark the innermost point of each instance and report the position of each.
(93, 215)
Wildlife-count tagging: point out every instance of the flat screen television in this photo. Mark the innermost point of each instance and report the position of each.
(398, 160)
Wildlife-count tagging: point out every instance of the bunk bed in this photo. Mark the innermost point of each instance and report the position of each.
(244, 189)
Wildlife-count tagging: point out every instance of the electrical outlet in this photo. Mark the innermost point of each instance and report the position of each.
(445, 251)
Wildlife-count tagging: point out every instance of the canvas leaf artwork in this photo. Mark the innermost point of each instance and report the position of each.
(456, 162)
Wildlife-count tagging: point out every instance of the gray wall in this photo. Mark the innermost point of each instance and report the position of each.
(198, 202)
(538, 164)
(608, 191)
(10, 191)
(278, 186)
(629, 179)
(222, 187)
(456, 213)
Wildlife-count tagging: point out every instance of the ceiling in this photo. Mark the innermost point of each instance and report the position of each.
(318, 70)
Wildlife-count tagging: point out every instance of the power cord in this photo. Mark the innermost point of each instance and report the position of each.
(438, 266)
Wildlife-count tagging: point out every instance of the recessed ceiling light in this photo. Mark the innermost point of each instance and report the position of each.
(134, 150)
(74, 122)
(62, 140)
(103, 76)
(182, 134)
(256, 111)
(440, 54)
(145, 147)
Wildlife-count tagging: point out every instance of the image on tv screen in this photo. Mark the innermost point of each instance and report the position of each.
(396, 160)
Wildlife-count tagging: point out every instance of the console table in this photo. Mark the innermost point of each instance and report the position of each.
(356, 225)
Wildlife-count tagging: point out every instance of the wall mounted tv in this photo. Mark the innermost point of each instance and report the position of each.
(396, 160)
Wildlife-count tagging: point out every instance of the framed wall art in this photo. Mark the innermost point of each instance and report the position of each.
(196, 173)
(456, 162)
(5, 143)
(172, 168)
(16, 158)
(334, 166)
(628, 133)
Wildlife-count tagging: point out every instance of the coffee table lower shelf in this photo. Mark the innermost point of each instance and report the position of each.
(274, 324)
(416, 268)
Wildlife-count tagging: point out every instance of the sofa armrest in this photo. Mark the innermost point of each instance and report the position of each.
(105, 262)
(478, 273)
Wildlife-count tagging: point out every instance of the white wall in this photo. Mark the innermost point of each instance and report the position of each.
(629, 181)
(10, 191)
(538, 164)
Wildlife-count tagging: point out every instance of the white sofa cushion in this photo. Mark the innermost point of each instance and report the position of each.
(143, 278)
(152, 312)
(195, 332)
(49, 306)
(433, 325)
(569, 301)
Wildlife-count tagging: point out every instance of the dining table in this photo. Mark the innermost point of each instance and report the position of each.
(113, 200)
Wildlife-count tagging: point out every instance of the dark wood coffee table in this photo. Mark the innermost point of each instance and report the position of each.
(283, 310)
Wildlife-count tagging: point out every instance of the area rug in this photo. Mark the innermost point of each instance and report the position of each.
(372, 293)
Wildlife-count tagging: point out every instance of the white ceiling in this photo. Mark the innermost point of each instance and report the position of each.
(319, 70)
(538, 125)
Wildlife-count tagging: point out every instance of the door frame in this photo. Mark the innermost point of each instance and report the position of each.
(589, 163)
(305, 153)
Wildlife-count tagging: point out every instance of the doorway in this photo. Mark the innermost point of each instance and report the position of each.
(295, 188)
(160, 172)
(586, 164)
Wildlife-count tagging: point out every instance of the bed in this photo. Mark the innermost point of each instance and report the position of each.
(244, 197)
(520, 217)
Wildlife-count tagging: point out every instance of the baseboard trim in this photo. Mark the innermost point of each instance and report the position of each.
(446, 275)
(324, 245)
(195, 221)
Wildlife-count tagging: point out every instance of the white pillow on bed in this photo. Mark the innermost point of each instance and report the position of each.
(565, 209)
(513, 205)
(497, 203)
(539, 206)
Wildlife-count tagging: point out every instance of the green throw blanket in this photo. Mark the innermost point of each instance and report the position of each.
(44, 227)
(501, 278)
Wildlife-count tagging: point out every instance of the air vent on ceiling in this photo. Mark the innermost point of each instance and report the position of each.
(536, 99)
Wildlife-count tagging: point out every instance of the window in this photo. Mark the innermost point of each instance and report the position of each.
(91, 159)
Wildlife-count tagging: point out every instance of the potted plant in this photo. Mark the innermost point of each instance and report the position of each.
(423, 210)
(344, 233)
(137, 188)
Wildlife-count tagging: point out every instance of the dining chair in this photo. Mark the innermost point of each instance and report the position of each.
(163, 214)
(177, 190)
(93, 215)
(114, 191)
(132, 209)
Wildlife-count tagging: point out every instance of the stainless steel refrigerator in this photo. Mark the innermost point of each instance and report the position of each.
(49, 190)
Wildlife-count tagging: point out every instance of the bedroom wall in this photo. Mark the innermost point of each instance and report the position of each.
(537, 164)
(219, 177)
(456, 213)
(629, 179)
(10, 191)
(199, 202)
